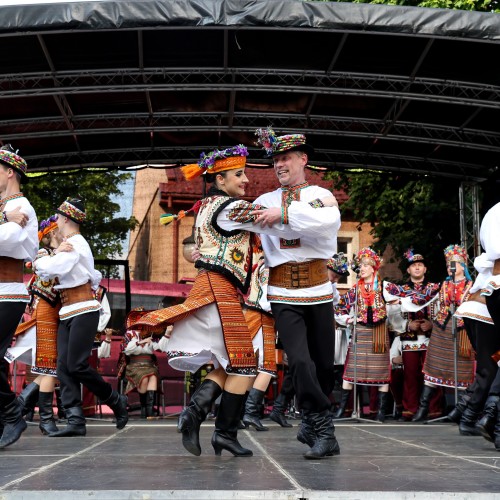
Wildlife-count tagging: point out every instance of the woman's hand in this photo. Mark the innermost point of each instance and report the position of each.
(64, 247)
(17, 216)
(330, 201)
(267, 216)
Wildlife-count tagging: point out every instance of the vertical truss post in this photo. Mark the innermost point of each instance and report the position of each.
(468, 195)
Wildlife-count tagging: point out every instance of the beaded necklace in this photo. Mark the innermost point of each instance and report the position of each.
(70, 235)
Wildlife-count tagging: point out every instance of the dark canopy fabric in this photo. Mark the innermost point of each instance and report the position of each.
(114, 84)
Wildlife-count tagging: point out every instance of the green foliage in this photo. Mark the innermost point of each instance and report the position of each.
(476, 5)
(404, 212)
(104, 232)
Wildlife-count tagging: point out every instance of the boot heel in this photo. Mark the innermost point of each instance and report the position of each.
(217, 449)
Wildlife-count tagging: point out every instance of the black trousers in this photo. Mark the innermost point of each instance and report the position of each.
(75, 338)
(493, 305)
(307, 335)
(486, 342)
(10, 316)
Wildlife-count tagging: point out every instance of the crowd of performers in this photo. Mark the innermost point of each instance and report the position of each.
(266, 269)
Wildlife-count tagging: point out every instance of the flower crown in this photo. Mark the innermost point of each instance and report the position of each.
(455, 252)
(369, 254)
(46, 226)
(217, 161)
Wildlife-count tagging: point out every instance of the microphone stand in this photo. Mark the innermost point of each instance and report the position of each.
(454, 336)
(354, 343)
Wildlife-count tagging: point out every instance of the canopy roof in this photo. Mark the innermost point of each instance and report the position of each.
(114, 84)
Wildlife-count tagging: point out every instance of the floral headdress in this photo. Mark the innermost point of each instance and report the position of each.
(338, 264)
(10, 158)
(217, 161)
(273, 145)
(413, 257)
(370, 255)
(46, 226)
(455, 252)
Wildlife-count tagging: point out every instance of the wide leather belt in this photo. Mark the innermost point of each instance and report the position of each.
(477, 297)
(496, 267)
(299, 275)
(80, 293)
(11, 270)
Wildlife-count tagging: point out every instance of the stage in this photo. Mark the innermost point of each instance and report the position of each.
(147, 461)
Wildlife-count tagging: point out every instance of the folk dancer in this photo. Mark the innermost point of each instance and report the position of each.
(36, 339)
(489, 424)
(299, 290)
(18, 244)
(372, 363)
(73, 265)
(410, 312)
(439, 363)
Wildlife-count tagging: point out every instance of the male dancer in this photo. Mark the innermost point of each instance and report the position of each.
(414, 326)
(299, 290)
(73, 265)
(18, 244)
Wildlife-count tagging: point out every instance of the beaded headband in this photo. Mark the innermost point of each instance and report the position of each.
(370, 255)
(11, 159)
(338, 264)
(217, 161)
(71, 211)
(456, 253)
(273, 145)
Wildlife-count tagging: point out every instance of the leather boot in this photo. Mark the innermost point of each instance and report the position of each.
(326, 444)
(150, 403)
(425, 399)
(456, 414)
(118, 403)
(278, 412)
(60, 408)
(13, 421)
(486, 424)
(306, 433)
(28, 398)
(142, 400)
(47, 422)
(382, 406)
(225, 436)
(195, 413)
(344, 398)
(75, 425)
(467, 425)
(253, 407)
(497, 428)
(241, 424)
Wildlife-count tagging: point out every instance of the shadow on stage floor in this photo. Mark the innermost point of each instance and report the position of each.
(147, 461)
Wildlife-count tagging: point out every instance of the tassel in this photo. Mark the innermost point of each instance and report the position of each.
(192, 171)
(166, 219)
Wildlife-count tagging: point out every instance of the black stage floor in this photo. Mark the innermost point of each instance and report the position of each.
(147, 461)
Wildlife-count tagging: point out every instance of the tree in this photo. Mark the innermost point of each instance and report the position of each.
(104, 232)
(404, 211)
(477, 5)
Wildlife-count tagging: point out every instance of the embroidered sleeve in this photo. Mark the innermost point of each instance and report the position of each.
(242, 212)
(396, 290)
(3, 218)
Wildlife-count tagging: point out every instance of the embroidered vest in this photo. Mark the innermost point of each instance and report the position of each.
(225, 252)
(260, 277)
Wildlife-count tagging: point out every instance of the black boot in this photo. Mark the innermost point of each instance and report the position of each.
(344, 398)
(456, 414)
(326, 444)
(486, 424)
(195, 413)
(382, 406)
(225, 436)
(253, 407)
(278, 412)
(241, 424)
(306, 433)
(142, 399)
(467, 425)
(47, 422)
(150, 403)
(14, 423)
(425, 399)
(60, 408)
(118, 403)
(28, 398)
(497, 428)
(75, 425)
